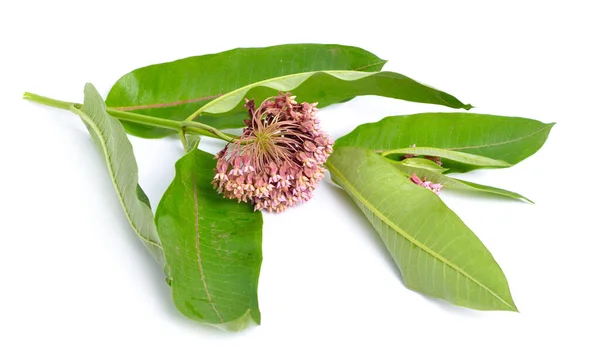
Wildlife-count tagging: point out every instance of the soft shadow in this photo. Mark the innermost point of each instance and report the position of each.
(161, 290)
(156, 278)
(483, 195)
(450, 308)
(361, 220)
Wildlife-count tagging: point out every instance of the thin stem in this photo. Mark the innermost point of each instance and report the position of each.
(48, 101)
(192, 127)
(194, 115)
(159, 122)
(209, 129)
(182, 137)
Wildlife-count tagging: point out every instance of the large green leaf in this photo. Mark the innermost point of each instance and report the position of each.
(328, 87)
(176, 89)
(435, 251)
(109, 135)
(509, 139)
(213, 246)
(426, 170)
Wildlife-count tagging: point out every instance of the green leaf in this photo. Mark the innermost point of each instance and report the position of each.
(213, 246)
(176, 89)
(509, 139)
(191, 142)
(328, 87)
(108, 133)
(143, 197)
(408, 167)
(422, 163)
(460, 157)
(435, 251)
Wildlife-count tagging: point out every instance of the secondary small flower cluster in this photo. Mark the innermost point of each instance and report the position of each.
(278, 160)
(435, 187)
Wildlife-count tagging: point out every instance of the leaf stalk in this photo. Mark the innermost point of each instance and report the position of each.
(191, 127)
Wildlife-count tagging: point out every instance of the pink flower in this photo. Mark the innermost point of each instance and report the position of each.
(435, 187)
(278, 160)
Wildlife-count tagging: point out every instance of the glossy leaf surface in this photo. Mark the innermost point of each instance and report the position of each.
(426, 171)
(213, 246)
(509, 139)
(435, 251)
(176, 89)
(109, 135)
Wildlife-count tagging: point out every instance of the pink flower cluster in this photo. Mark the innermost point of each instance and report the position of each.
(435, 187)
(278, 160)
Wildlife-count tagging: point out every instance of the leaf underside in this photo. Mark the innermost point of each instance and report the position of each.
(109, 135)
(213, 246)
(328, 87)
(435, 251)
(450, 155)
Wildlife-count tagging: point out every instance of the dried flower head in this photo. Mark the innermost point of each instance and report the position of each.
(435, 187)
(278, 160)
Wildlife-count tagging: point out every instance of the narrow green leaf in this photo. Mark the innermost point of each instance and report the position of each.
(422, 163)
(328, 87)
(509, 139)
(408, 167)
(176, 89)
(460, 157)
(109, 134)
(435, 251)
(213, 246)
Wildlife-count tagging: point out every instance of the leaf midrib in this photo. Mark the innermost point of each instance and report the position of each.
(414, 241)
(545, 127)
(198, 253)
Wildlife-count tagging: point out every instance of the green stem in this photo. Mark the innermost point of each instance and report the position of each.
(48, 101)
(192, 127)
(182, 138)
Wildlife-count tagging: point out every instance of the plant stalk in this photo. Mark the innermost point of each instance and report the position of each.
(191, 127)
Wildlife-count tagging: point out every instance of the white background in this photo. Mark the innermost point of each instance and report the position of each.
(78, 287)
